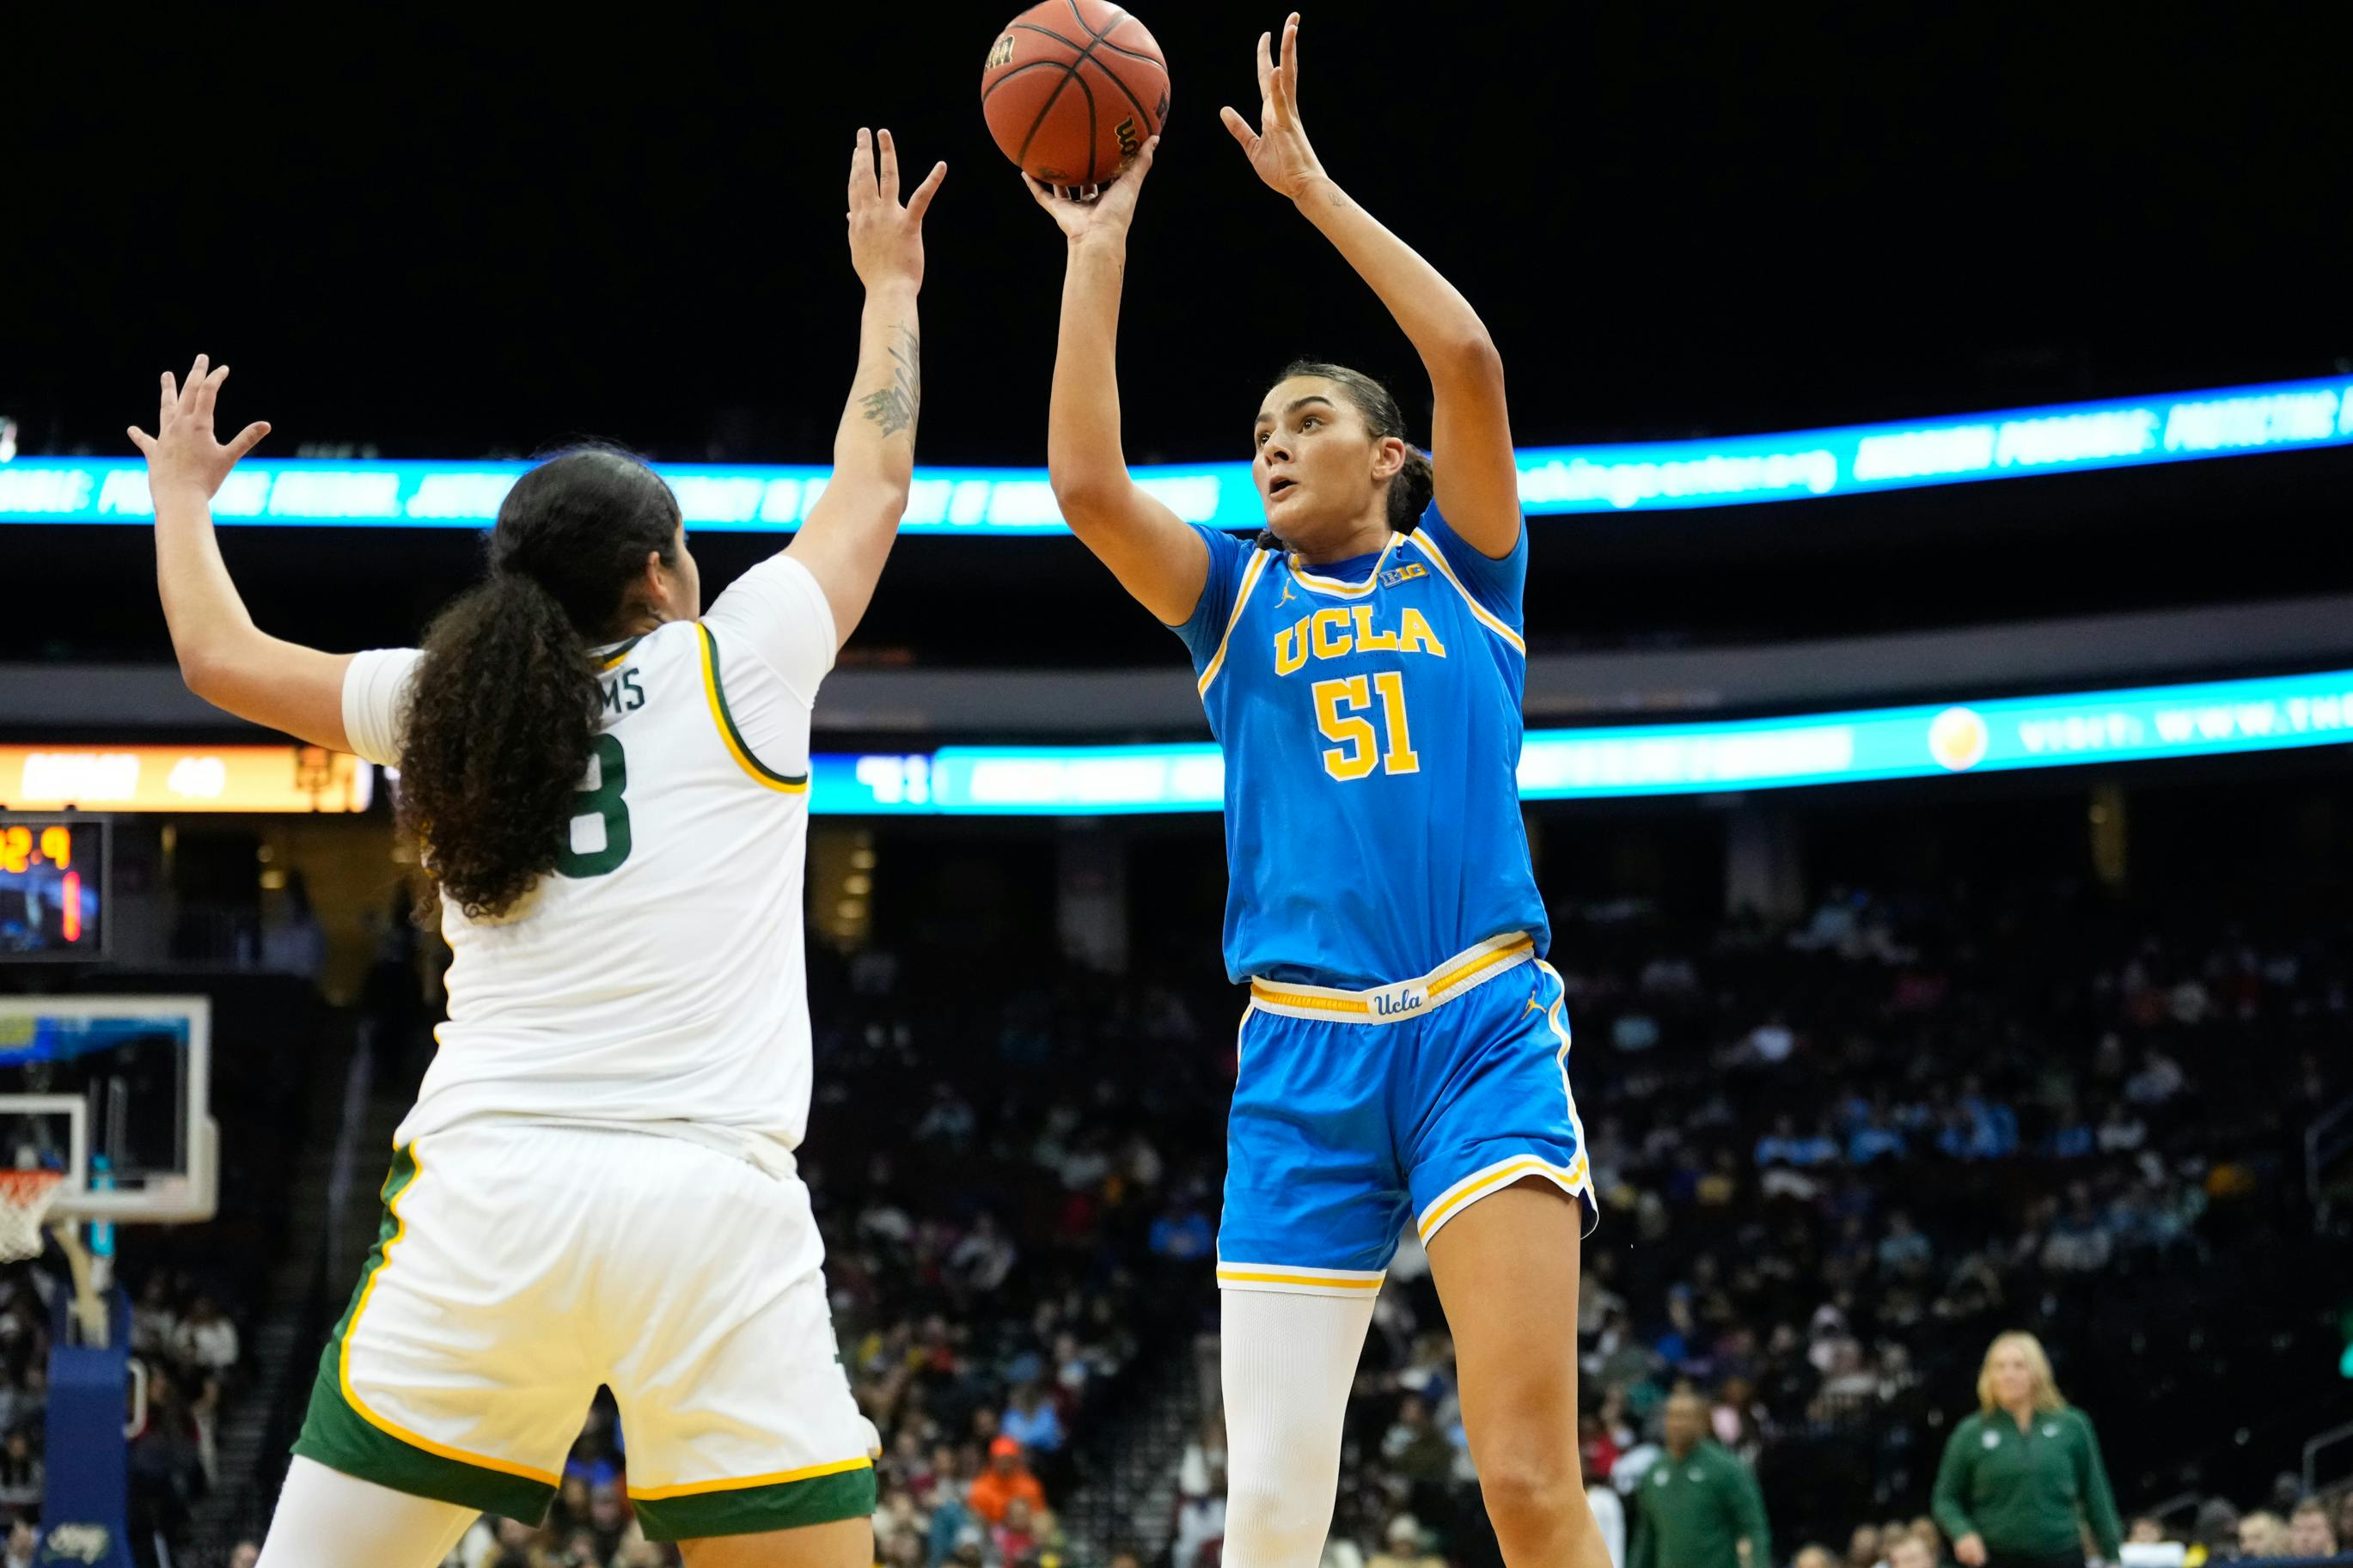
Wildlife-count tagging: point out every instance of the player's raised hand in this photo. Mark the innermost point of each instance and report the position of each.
(183, 456)
(1278, 149)
(886, 239)
(1109, 211)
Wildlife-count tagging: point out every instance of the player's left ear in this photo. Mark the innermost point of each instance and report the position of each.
(1389, 458)
(658, 587)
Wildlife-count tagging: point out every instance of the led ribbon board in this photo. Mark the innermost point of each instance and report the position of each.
(2144, 723)
(1649, 475)
(2267, 714)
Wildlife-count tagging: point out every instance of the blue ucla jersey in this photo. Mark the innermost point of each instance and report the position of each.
(1370, 715)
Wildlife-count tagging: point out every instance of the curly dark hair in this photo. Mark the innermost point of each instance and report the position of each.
(503, 710)
(1410, 490)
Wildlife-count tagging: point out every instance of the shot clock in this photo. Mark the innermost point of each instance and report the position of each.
(52, 886)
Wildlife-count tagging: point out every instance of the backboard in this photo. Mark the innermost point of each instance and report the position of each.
(115, 1092)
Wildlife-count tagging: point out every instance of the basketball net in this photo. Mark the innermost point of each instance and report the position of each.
(24, 1200)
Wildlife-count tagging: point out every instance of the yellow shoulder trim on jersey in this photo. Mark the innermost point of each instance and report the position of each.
(715, 691)
(1345, 590)
(1438, 559)
(1250, 576)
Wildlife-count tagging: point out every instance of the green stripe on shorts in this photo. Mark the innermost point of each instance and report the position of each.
(748, 1510)
(340, 1437)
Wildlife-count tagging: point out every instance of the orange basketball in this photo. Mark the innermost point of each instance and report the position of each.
(1073, 88)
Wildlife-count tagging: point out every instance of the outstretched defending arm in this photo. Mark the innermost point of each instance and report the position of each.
(1470, 434)
(1155, 555)
(225, 659)
(848, 532)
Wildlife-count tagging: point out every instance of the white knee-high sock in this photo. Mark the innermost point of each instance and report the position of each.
(326, 1519)
(1289, 1363)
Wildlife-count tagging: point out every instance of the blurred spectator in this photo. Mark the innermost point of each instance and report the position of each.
(1903, 1250)
(2309, 1532)
(2160, 1078)
(23, 1541)
(1015, 1536)
(1032, 1422)
(2262, 1533)
(1413, 1446)
(206, 1338)
(1007, 1478)
(984, 1258)
(2022, 1478)
(22, 1476)
(1183, 1231)
(1609, 1510)
(1402, 1547)
(1201, 1516)
(2216, 1529)
(292, 940)
(1877, 1138)
(1699, 1507)
(1911, 1551)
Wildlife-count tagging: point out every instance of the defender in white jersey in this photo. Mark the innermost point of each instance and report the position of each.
(579, 1007)
(596, 1185)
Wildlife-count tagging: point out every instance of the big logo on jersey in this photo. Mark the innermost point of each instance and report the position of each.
(1334, 633)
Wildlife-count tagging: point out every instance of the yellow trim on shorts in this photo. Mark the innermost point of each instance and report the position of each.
(696, 1488)
(1271, 991)
(343, 1362)
(1250, 576)
(1441, 986)
(1571, 1181)
(1237, 1277)
(1485, 961)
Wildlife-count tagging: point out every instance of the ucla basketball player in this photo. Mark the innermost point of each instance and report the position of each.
(596, 1183)
(1404, 1057)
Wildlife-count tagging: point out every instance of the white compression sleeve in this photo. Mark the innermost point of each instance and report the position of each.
(326, 1519)
(1289, 1362)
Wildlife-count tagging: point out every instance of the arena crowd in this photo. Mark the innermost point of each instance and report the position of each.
(1831, 1160)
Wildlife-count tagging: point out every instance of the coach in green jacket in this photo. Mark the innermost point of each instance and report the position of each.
(1695, 1505)
(2022, 1476)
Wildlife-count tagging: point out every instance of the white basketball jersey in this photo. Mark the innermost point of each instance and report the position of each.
(657, 975)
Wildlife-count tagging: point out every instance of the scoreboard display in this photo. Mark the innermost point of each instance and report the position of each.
(52, 886)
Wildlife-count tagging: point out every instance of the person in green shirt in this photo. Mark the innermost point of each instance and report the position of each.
(2022, 1477)
(1698, 1506)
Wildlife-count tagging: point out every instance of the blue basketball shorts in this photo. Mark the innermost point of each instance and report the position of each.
(1356, 1112)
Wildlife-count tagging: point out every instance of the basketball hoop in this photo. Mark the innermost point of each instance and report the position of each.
(24, 1200)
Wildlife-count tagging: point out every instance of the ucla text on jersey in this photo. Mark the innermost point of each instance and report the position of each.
(1370, 715)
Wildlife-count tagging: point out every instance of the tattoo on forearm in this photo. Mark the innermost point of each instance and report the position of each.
(895, 406)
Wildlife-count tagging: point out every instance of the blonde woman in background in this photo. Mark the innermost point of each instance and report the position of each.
(2022, 1476)
(2262, 1533)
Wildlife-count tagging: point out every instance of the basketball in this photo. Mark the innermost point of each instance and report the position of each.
(1072, 89)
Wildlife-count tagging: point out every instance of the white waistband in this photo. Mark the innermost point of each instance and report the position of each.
(1460, 975)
